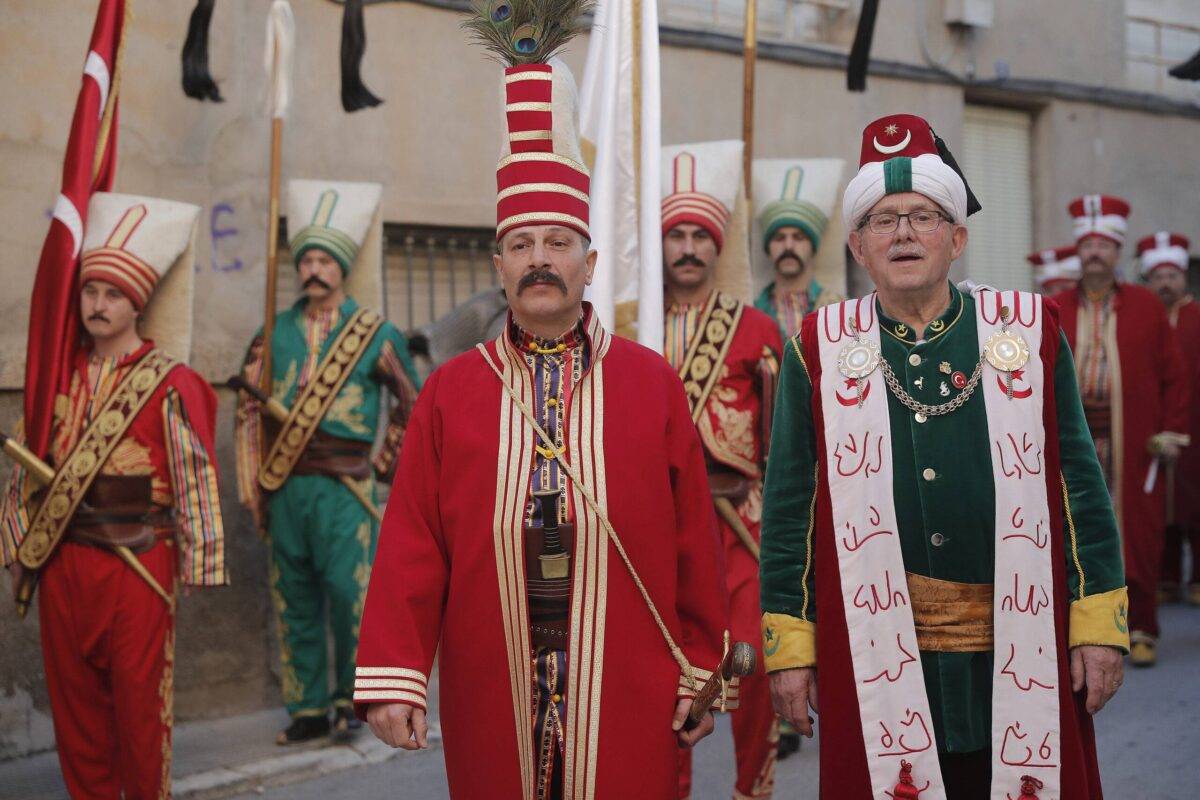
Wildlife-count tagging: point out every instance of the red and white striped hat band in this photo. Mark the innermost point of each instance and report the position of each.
(686, 205)
(113, 264)
(1100, 215)
(1163, 249)
(534, 184)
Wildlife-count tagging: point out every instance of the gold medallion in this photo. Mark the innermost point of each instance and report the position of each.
(858, 359)
(1006, 351)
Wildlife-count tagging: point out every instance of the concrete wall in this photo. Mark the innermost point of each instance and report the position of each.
(433, 144)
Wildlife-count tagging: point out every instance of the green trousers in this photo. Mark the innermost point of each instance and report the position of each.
(322, 546)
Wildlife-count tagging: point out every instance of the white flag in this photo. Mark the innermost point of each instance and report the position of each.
(620, 124)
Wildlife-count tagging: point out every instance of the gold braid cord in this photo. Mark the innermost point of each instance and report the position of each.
(677, 653)
(83, 464)
(312, 404)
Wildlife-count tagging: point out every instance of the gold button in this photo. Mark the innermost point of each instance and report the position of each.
(556, 698)
(552, 402)
(919, 417)
(928, 474)
(915, 360)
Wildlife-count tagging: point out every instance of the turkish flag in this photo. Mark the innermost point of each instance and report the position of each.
(88, 166)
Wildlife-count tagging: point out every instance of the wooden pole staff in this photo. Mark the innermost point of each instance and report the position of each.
(749, 59)
(280, 34)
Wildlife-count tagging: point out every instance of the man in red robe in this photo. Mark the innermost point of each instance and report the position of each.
(727, 353)
(1127, 361)
(549, 531)
(1163, 258)
(135, 432)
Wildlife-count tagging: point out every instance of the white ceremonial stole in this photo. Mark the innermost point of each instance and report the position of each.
(1025, 713)
(893, 704)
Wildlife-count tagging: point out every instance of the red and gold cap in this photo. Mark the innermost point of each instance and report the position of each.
(131, 241)
(1100, 215)
(1163, 249)
(700, 184)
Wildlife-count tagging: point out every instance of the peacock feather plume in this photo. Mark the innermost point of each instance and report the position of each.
(520, 32)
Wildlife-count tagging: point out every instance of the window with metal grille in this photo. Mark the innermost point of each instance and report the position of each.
(828, 22)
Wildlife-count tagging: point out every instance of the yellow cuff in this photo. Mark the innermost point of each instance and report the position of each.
(1101, 619)
(788, 642)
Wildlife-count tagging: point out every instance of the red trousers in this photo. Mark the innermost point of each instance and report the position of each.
(755, 729)
(108, 646)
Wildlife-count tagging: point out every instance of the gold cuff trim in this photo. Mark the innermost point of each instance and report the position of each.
(390, 672)
(1101, 619)
(788, 642)
(390, 683)
(411, 698)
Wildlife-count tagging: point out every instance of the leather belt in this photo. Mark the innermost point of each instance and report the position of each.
(330, 455)
(733, 486)
(951, 617)
(117, 512)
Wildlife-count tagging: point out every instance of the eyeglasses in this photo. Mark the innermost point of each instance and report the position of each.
(920, 221)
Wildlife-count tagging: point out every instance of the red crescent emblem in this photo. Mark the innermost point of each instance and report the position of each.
(1018, 394)
(849, 402)
(959, 380)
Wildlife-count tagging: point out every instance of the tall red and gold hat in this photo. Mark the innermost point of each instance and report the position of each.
(1100, 215)
(541, 178)
(1163, 249)
(700, 184)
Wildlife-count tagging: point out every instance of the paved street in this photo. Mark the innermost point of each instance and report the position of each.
(1149, 740)
(1149, 750)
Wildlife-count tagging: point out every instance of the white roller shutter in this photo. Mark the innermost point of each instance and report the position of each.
(996, 161)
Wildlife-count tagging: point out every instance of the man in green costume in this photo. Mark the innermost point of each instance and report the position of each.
(797, 198)
(934, 493)
(304, 459)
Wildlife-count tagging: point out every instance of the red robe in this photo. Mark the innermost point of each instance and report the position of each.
(1185, 319)
(735, 430)
(448, 574)
(1152, 387)
(842, 749)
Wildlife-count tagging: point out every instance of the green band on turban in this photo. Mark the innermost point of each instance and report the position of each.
(332, 241)
(796, 213)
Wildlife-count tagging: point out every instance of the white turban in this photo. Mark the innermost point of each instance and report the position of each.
(926, 174)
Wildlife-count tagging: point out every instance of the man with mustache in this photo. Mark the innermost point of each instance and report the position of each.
(793, 222)
(727, 353)
(1135, 394)
(940, 561)
(1163, 259)
(546, 535)
(310, 480)
(133, 508)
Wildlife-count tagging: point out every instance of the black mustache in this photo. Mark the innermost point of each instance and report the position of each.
(97, 316)
(540, 276)
(788, 254)
(315, 281)
(688, 259)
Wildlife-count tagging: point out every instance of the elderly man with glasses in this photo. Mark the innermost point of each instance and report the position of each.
(934, 493)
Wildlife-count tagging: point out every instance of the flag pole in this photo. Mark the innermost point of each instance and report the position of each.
(280, 28)
(749, 57)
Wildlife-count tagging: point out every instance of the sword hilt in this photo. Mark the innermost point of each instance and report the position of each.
(270, 406)
(739, 661)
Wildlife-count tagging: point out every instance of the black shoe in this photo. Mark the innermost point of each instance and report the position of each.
(304, 729)
(345, 724)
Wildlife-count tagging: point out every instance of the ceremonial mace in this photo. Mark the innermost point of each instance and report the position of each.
(276, 411)
(738, 661)
(43, 474)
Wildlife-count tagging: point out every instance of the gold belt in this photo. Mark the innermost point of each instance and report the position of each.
(951, 617)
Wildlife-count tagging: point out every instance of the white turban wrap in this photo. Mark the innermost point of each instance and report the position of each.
(926, 174)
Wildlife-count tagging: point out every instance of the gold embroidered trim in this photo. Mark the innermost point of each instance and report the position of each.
(808, 554)
(83, 464)
(317, 397)
(1071, 527)
(701, 367)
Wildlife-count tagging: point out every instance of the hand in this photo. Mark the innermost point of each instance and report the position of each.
(792, 692)
(1101, 669)
(689, 738)
(399, 725)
